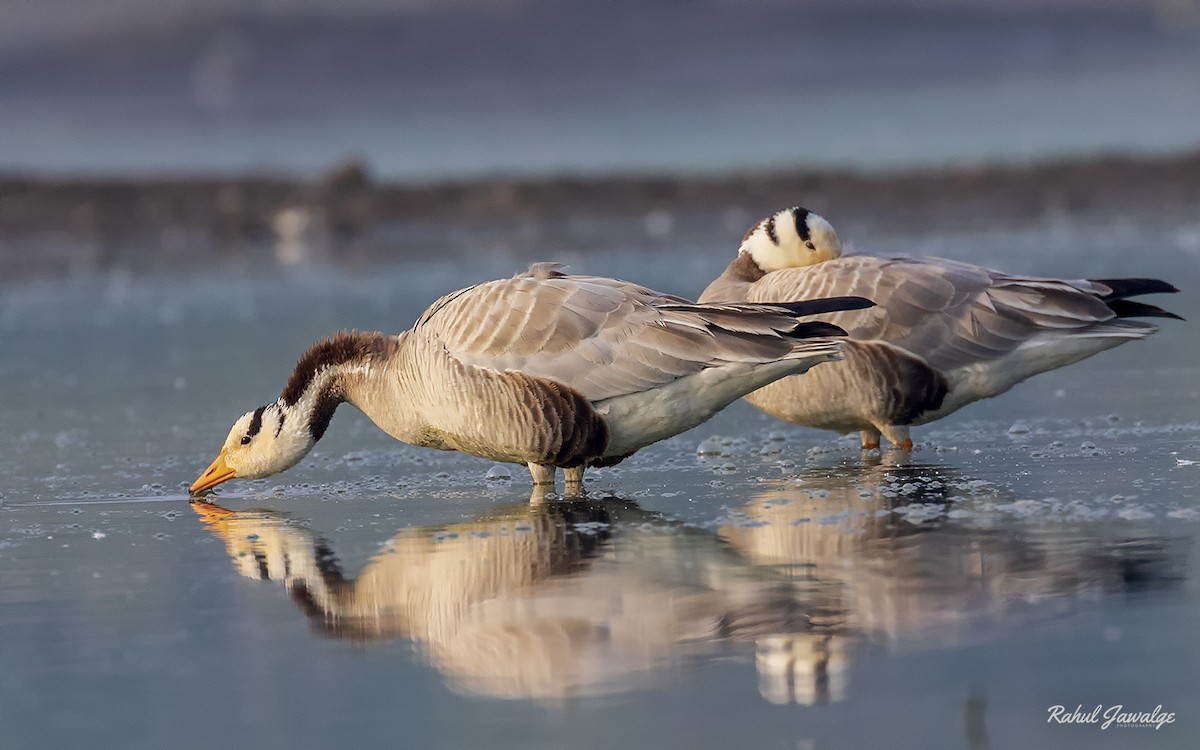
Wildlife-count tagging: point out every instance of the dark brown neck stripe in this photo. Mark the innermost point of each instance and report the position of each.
(327, 403)
(743, 268)
(344, 348)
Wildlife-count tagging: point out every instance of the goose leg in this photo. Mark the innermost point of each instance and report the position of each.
(869, 439)
(542, 474)
(574, 477)
(898, 436)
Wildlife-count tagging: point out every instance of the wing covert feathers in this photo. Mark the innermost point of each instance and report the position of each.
(953, 314)
(607, 338)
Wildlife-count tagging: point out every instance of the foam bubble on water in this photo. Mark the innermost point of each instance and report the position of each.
(1018, 428)
(817, 451)
(1024, 508)
(1134, 513)
(498, 473)
(709, 447)
(918, 513)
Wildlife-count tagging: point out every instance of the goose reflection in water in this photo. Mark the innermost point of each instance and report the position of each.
(878, 544)
(565, 599)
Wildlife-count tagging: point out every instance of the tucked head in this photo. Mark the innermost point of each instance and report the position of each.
(263, 442)
(791, 238)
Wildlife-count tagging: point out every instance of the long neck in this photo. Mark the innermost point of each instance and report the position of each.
(333, 371)
(734, 284)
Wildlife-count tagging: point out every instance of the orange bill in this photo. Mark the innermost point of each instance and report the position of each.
(218, 472)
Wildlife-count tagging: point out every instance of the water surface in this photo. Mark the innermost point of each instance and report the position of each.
(775, 588)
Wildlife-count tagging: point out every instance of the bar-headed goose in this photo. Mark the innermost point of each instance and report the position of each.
(943, 333)
(542, 369)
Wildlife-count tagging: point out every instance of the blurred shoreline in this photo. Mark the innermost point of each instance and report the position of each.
(53, 227)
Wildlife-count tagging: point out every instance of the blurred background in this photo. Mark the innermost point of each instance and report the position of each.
(145, 135)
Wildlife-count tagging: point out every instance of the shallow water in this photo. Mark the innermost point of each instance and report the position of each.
(773, 589)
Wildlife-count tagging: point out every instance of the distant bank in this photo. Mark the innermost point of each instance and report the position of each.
(53, 227)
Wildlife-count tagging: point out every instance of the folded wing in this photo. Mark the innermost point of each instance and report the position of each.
(607, 338)
(952, 314)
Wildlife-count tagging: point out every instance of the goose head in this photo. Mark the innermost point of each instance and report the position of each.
(791, 238)
(262, 442)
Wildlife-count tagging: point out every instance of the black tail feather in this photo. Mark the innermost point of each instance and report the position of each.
(1129, 309)
(814, 329)
(822, 306)
(1122, 288)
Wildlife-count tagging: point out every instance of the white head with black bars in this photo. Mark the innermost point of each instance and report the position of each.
(262, 442)
(791, 238)
(275, 437)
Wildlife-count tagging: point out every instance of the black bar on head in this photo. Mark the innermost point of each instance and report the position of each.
(802, 222)
(770, 227)
(256, 421)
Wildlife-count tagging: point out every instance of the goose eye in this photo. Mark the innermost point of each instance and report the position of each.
(245, 440)
(810, 245)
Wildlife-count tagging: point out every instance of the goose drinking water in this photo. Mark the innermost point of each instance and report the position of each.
(544, 369)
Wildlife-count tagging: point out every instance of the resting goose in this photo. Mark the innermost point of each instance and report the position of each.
(542, 369)
(944, 333)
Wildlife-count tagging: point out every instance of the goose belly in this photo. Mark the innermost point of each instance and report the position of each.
(874, 384)
(1042, 354)
(830, 397)
(639, 419)
(502, 416)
